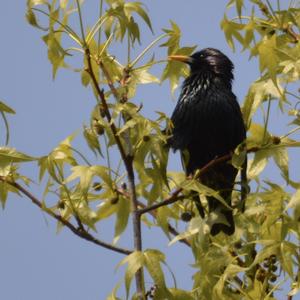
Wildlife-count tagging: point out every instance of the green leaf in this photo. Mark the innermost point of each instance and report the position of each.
(174, 70)
(270, 247)
(239, 156)
(294, 204)
(259, 91)
(11, 155)
(153, 259)
(230, 271)
(121, 218)
(63, 153)
(249, 32)
(258, 164)
(87, 215)
(174, 38)
(37, 2)
(92, 140)
(195, 185)
(288, 251)
(56, 53)
(86, 174)
(178, 294)
(113, 296)
(4, 187)
(231, 31)
(5, 108)
(197, 225)
(295, 289)
(138, 8)
(140, 76)
(238, 4)
(281, 159)
(162, 216)
(105, 210)
(135, 261)
(268, 58)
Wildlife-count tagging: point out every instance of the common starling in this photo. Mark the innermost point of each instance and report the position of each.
(208, 123)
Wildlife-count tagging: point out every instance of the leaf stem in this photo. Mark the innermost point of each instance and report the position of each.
(69, 30)
(100, 15)
(128, 49)
(6, 127)
(290, 132)
(81, 22)
(272, 10)
(147, 49)
(291, 94)
(107, 156)
(267, 120)
(81, 155)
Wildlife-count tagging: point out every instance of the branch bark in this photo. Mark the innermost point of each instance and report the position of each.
(128, 162)
(79, 231)
(175, 196)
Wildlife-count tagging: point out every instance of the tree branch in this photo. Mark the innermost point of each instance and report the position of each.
(105, 106)
(79, 231)
(137, 233)
(109, 81)
(171, 199)
(172, 230)
(174, 197)
(128, 160)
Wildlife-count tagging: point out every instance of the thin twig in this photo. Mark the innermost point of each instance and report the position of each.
(293, 34)
(142, 206)
(80, 21)
(109, 81)
(171, 199)
(104, 105)
(174, 197)
(6, 127)
(79, 231)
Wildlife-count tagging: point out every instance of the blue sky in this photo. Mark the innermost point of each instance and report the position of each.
(36, 263)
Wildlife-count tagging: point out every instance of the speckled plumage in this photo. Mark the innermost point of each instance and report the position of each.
(208, 123)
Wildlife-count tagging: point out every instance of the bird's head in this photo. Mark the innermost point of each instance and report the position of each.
(208, 60)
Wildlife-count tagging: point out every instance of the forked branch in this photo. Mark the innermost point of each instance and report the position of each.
(79, 231)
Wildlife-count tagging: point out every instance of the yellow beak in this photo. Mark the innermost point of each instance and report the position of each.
(182, 58)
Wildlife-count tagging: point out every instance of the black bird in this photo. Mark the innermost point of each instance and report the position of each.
(208, 123)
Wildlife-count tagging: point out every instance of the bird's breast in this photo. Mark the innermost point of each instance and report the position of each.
(194, 89)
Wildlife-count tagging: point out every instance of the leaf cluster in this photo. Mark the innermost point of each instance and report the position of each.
(264, 251)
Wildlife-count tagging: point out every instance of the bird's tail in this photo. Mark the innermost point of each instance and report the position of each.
(223, 221)
(220, 217)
